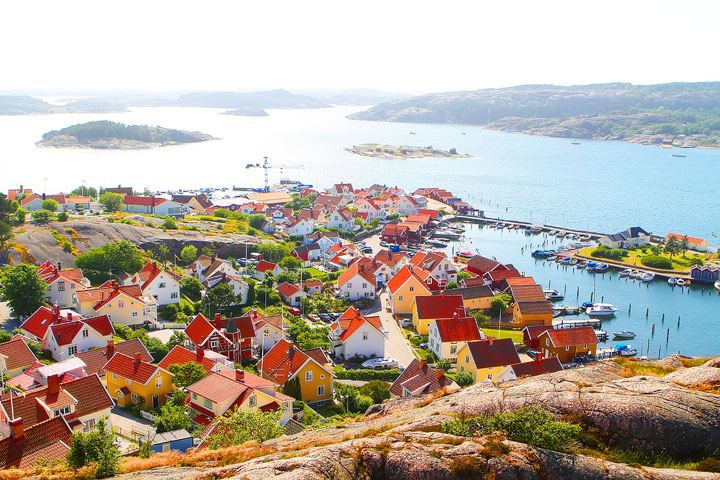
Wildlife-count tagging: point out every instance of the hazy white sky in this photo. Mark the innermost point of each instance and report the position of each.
(408, 46)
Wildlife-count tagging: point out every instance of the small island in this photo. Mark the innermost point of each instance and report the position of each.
(246, 112)
(402, 151)
(112, 135)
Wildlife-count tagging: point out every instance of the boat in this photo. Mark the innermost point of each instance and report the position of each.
(582, 264)
(553, 295)
(672, 281)
(573, 261)
(626, 272)
(567, 261)
(625, 350)
(647, 276)
(412, 133)
(680, 282)
(464, 255)
(552, 258)
(535, 230)
(436, 243)
(624, 334)
(575, 143)
(679, 155)
(500, 226)
(601, 310)
(601, 267)
(717, 285)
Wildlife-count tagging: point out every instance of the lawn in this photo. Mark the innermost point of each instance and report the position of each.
(516, 336)
(680, 263)
(314, 272)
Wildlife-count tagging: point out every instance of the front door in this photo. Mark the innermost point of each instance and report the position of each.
(156, 401)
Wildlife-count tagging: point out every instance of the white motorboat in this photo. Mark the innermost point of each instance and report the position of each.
(672, 281)
(601, 267)
(625, 350)
(553, 295)
(601, 309)
(624, 334)
(626, 272)
(717, 285)
(680, 282)
(647, 276)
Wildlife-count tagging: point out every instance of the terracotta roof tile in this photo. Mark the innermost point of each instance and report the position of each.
(199, 330)
(418, 372)
(439, 306)
(126, 367)
(358, 268)
(537, 367)
(461, 329)
(18, 354)
(48, 441)
(282, 361)
(493, 353)
(218, 388)
(569, 337)
(96, 358)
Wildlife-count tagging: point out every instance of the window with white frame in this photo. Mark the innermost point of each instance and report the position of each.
(121, 303)
(85, 333)
(252, 401)
(412, 289)
(158, 382)
(135, 315)
(114, 375)
(61, 286)
(207, 403)
(321, 390)
(174, 295)
(308, 376)
(365, 335)
(453, 349)
(72, 349)
(213, 343)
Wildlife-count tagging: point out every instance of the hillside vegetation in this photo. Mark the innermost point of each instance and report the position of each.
(619, 111)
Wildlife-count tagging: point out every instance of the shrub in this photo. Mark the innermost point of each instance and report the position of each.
(709, 465)
(603, 251)
(656, 261)
(390, 374)
(42, 216)
(443, 364)
(375, 389)
(464, 379)
(169, 224)
(62, 217)
(188, 254)
(67, 246)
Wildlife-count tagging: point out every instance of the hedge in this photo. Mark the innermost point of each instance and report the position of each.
(656, 261)
(367, 374)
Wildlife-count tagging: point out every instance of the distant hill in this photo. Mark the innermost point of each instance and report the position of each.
(621, 111)
(112, 135)
(267, 99)
(351, 96)
(246, 112)
(22, 105)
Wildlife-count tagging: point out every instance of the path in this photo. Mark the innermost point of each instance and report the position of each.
(396, 345)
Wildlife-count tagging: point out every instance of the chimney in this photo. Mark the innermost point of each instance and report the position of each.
(456, 316)
(56, 312)
(43, 196)
(442, 295)
(110, 349)
(491, 340)
(213, 258)
(53, 385)
(423, 363)
(137, 358)
(59, 266)
(440, 374)
(218, 317)
(155, 268)
(240, 375)
(200, 353)
(115, 286)
(538, 358)
(17, 432)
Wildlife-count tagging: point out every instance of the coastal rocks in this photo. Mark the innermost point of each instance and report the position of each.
(702, 376)
(246, 112)
(402, 151)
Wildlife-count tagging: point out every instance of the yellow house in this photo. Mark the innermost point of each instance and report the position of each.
(488, 359)
(285, 362)
(130, 380)
(408, 283)
(479, 297)
(428, 308)
(123, 304)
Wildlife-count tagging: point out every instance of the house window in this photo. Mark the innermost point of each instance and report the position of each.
(127, 380)
(567, 349)
(213, 343)
(134, 397)
(412, 289)
(72, 350)
(166, 447)
(453, 349)
(121, 304)
(349, 285)
(161, 285)
(321, 390)
(462, 369)
(365, 335)
(135, 315)
(467, 358)
(585, 346)
(207, 403)
(252, 401)
(400, 298)
(175, 294)
(308, 376)
(194, 396)
(85, 333)
(114, 376)
(547, 342)
(89, 425)
(61, 286)
(158, 382)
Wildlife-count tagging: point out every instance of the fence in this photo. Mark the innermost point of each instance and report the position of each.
(147, 415)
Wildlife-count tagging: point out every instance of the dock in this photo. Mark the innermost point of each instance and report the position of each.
(586, 322)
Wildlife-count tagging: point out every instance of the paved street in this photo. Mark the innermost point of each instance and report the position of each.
(7, 322)
(396, 346)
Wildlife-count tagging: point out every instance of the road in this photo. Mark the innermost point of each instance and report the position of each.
(396, 346)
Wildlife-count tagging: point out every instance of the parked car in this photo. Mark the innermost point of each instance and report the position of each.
(314, 318)
(405, 322)
(294, 311)
(380, 363)
(532, 354)
(383, 244)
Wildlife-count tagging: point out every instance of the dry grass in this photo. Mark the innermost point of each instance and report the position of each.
(693, 362)
(633, 367)
(23, 251)
(707, 387)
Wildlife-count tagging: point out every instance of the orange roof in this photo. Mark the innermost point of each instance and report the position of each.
(405, 274)
(458, 329)
(18, 354)
(693, 240)
(568, 337)
(520, 281)
(107, 292)
(358, 268)
(491, 353)
(146, 201)
(199, 330)
(283, 361)
(263, 266)
(47, 441)
(96, 358)
(428, 260)
(78, 199)
(127, 367)
(288, 289)
(439, 306)
(527, 293)
(350, 321)
(149, 272)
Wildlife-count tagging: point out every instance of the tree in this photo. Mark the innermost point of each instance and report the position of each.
(290, 263)
(480, 318)
(186, 373)
(292, 388)
(191, 287)
(188, 254)
(173, 417)
(251, 291)
(23, 289)
(84, 191)
(155, 346)
(177, 338)
(672, 246)
(42, 216)
(5, 234)
(217, 298)
(207, 251)
(443, 364)
(451, 285)
(273, 251)
(169, 224)
(375, 222)
(95, 446)
(7, 208)
(111, 201)
(99, 264)
(20, 214)
(684, 245)
(500, 304)
(163, 252)
(464, 379)
(463, 275)
(62, 217)
(375, 389)
(242, 425)
(50, 205)
(256, 221)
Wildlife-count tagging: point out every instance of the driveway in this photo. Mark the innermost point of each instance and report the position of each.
(127, 425)
(396, 345)
(7, 321)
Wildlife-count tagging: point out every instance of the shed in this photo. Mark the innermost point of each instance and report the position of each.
(179, 440)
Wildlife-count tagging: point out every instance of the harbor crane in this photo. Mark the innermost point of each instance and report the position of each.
(266, 167)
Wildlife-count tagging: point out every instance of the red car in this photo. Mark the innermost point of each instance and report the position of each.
(294, 311)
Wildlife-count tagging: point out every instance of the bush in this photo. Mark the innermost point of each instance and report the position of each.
(42, 216)
(366, 374)
(62, 217)
(375, 389)
(709, 465)
(603, 251)
(443, 364)
(188, 254)
(67, 246)
(169, 224)
(656, 261)
(464, 379)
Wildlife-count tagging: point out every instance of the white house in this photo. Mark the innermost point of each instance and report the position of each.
(300, 227)
(324, 239)
(61, 284)
(357, 282)
(694, 243)
(205, 267)
(291, 293)
(236, 283)
(123, 304)
(163, 285)
(447, 336)
(169, 208)
(407, 205)
(353, 334)
(68, 338)
(268, 329)
(341, 219)
(264, 266)
(633, 236)
(374, 208)
(438, 264)
(151, 205)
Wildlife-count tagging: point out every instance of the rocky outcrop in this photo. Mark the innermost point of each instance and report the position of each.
(707, 375)
(246, 112)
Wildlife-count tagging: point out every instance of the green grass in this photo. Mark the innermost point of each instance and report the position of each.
(314, 272)
(516, 336)
(632, 368)
(693, 362)
(680, 263)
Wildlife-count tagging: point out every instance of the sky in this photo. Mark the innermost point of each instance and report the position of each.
(393, 45)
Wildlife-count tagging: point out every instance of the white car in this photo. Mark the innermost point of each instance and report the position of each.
(380, 363)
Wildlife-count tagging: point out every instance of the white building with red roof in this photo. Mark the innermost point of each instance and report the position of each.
(355, 335)
(16, 356)
(61, 284)
(151, 205)
(438, 264)
(291, 293)
(220, 393)
(123, 304)
(358, 281)
(447, 335)
(342, 219)
(419, 378)
(232, 337)
(65, 339)
(209, 360)
(264, 266)
(269, 329)
(408, 205)
(300, 226)
(205, 267)
(163, 285)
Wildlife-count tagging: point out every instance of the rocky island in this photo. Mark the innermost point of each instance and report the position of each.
(112, 135)
(402, 151)
(247, 112)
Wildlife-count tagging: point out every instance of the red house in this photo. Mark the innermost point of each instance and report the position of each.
(229, 337)
(395, 234)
